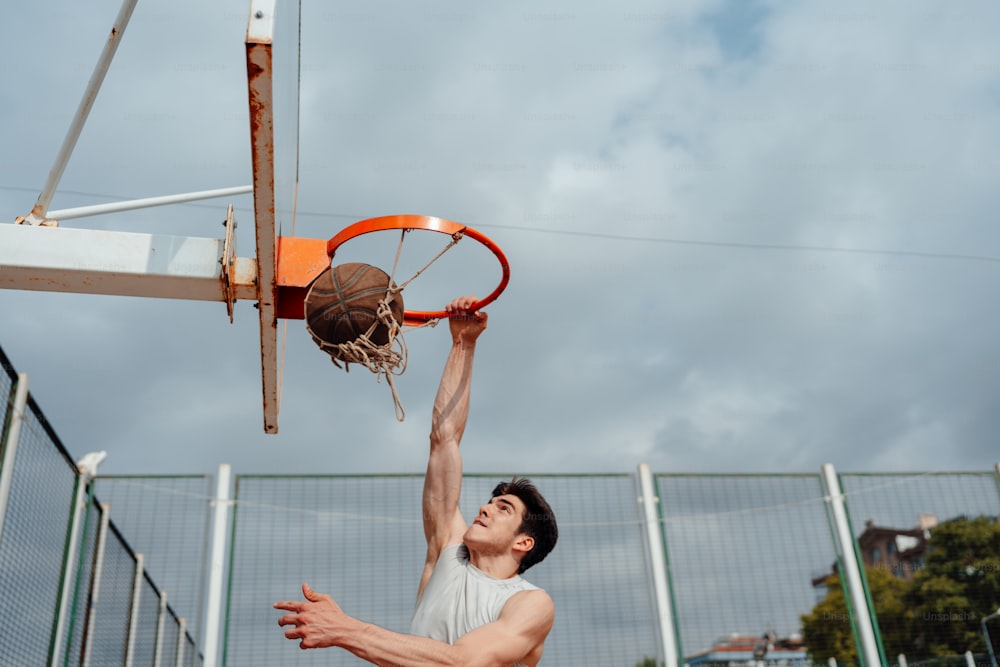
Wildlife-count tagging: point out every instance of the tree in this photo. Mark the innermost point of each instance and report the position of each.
(648, 662)
(958, 586)
(828, 632)
(936, 613)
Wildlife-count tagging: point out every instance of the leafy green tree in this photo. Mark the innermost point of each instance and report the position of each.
(827, 630)
(936, 613)
(958, 585)
(648, 662)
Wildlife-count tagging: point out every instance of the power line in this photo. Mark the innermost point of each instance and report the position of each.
(740, 245)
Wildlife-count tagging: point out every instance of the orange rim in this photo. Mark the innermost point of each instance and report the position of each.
(430, 224)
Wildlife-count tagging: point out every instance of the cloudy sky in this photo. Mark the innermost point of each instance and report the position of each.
(743, 236)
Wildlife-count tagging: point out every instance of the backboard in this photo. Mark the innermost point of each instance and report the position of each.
(272, 51)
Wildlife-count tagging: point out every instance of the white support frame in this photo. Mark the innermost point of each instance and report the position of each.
(133, 616)
(161, 618)
(88, 266)
(147, 202)
(658, 565)
(181, 641)
(864, 624)
(8, 449)
(217, 568)
(38, 213)
(89, 261)
(80, 501)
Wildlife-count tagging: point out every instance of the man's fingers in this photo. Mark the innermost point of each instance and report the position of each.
(288, 605)
(312, 595)
(460, 305)
(288, 619)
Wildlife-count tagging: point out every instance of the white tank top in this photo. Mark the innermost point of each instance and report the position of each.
(460, 597)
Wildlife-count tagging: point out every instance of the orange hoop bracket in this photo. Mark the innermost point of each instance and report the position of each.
(430, 224)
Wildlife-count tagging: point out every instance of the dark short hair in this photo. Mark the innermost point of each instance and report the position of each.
(539, 521)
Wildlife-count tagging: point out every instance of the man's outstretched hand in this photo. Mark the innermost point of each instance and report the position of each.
(318, 622)
(465, 325)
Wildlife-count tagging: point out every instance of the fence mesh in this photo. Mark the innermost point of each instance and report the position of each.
(166, 518)
(168, 645)
(114, 603)
(79, 603)
(742, 553)
(33, 544)
(902, 523)
(746, 554)
(144, 634)
(360, 539)
(38, 562)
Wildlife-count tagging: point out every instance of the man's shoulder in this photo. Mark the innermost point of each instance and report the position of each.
(532, 609)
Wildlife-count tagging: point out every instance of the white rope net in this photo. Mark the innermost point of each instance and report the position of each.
(389, 359)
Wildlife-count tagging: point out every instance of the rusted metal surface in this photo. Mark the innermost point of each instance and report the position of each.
(260, 86)
(228, 261)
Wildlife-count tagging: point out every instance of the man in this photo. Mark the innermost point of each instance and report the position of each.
(473, 608)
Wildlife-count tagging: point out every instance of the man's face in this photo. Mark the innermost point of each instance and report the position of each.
(496, 526)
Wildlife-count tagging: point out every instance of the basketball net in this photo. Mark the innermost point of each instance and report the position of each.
(385, 361)
(388, 360)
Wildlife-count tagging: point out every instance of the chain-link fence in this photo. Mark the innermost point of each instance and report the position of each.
(793, 569)
(72, 590)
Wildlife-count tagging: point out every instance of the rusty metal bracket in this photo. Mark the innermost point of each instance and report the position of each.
(228, 262)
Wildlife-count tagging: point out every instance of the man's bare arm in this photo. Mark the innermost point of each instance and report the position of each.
(443, 523)
(517, 636)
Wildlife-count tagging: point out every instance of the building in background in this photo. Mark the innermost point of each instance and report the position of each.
(899, 550)
(766, 650)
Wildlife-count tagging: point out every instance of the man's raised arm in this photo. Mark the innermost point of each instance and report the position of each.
(443, 522)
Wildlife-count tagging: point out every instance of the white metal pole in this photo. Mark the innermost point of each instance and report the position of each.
(970, 660)
(87, 472)
(133, 617)
(181, 641)
(161, 618)
(901, 659)
(852, 574)
(217, 567)
(8, 449)
(83, 110)
(658, 562)
(95, 591)
(147, 202)
(989, 639)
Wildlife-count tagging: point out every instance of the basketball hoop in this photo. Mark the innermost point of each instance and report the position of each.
(416, 222)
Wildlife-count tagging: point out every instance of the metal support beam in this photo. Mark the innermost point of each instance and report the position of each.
(181, 641)
(95, 587)
(868, 649)
(658, 564)
(147, 202)
(87, 467)
(161, 618)
(91, 261)
(8, 445)
(217, 567)
(38, 213)
(133, 617)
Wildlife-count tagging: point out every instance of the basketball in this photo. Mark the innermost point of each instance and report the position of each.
(342, 304)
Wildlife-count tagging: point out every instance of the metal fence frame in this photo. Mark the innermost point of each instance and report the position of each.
(98, 603)
(62, 593)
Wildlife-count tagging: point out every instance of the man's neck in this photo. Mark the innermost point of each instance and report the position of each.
(498, 566)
